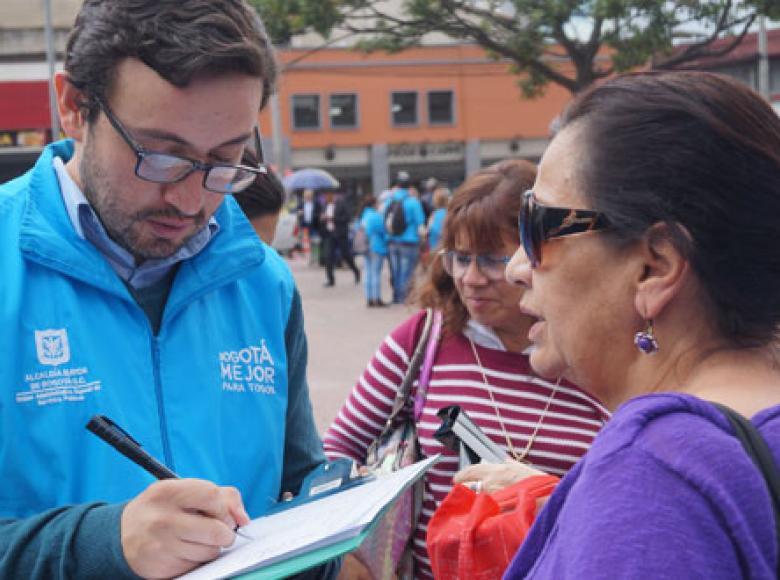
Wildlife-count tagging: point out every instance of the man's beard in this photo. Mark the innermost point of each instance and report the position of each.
(123, 228)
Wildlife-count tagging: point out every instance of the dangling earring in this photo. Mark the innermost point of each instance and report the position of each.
(645, 340)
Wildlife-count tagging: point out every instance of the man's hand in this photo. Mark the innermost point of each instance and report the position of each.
(495, 476)
(177, 524)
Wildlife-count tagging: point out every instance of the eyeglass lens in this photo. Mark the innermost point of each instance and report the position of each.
(166, 168)
(456, 264)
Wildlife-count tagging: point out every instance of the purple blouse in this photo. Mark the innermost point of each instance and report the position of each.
(666, 491)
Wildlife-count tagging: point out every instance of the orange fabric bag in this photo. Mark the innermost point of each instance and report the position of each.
(475, 536)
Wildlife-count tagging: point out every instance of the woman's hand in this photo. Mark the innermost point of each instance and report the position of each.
(495, 476)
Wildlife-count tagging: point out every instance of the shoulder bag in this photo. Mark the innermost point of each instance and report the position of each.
(387, 551)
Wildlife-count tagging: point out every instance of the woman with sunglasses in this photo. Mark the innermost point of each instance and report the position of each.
(651, 263)
(481, 363)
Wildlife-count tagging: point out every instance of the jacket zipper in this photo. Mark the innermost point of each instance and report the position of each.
(166, 444)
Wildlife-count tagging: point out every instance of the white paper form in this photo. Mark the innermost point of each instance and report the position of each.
(312, 525)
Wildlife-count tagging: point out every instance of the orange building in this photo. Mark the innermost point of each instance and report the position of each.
(441, 111)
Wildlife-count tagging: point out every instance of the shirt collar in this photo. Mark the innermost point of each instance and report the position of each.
(486, 337)
(87, 226)
(483, 335)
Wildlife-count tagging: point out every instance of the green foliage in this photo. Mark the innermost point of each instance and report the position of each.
(286, 18)
(598, 37)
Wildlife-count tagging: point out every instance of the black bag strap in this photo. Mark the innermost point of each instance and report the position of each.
(759, 452)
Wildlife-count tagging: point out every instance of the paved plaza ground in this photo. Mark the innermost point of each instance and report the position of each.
(343, 333)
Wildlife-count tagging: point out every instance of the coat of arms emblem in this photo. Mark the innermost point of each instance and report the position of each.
(52, 346)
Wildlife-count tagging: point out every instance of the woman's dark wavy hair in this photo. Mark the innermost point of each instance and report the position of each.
(483, 211)
(180, 39)
(701, 153)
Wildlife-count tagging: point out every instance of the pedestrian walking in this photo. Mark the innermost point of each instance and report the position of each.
(309, 224)
(335, 219)
(441, 198)
(403, 217)
(426, 197)
(373, 225)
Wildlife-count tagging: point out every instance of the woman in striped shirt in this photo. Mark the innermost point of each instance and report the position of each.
(481, 363)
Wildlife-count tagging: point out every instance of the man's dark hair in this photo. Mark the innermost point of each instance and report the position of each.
(402, 179)
(700, 153)
(179, 39)
(264, 196)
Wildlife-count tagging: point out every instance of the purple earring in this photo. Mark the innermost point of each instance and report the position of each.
(645, 340)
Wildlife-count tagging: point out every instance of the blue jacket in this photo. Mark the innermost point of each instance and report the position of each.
(413, 215)
(437, 224)
(374, 224)
(211, 396)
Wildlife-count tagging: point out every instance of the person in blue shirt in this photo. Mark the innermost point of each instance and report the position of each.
(403, 250)
(134, 287)
(441, 198)
(373, 224)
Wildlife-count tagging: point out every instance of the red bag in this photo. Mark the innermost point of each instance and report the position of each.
(475, 536)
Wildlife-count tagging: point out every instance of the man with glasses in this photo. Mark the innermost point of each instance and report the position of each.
(135, 288)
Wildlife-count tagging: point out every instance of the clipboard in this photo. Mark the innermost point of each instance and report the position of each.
(328, 478)
(314, 558)
(312, 529)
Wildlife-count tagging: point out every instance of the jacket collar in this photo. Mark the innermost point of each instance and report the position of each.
(48, 238)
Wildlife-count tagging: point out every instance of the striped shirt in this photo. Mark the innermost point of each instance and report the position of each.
(571, 423)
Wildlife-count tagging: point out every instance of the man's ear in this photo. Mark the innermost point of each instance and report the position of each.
(666, 270)
(70, 107)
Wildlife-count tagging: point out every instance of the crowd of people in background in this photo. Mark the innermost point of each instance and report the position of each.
(328, 226)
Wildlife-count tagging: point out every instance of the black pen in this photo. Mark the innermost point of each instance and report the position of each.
(121, 440)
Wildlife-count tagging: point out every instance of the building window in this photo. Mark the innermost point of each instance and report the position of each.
(774, 76)
(404, 108)
(440, 108)
(306, 111)
(343, 111)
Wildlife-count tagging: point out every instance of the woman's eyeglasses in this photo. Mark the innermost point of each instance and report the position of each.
(166, 168)
(490, 265)
(539, 223)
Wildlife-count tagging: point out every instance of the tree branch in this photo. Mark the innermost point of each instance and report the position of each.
(698, 50)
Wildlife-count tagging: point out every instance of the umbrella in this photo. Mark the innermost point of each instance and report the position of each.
(310, 178)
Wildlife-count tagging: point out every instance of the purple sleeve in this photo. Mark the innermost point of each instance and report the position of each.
(631, 517)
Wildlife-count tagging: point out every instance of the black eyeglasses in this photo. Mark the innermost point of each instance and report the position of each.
(490, 265)
(539, 223)
(166, 168)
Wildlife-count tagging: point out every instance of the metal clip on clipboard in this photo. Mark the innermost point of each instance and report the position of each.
(330, 477)
(459, 433)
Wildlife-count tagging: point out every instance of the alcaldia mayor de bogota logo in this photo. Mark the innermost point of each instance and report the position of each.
(57, 382)
(52, 346)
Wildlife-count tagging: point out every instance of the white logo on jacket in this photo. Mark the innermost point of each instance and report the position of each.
(60, 383)
(248, 369)
(52, 346)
